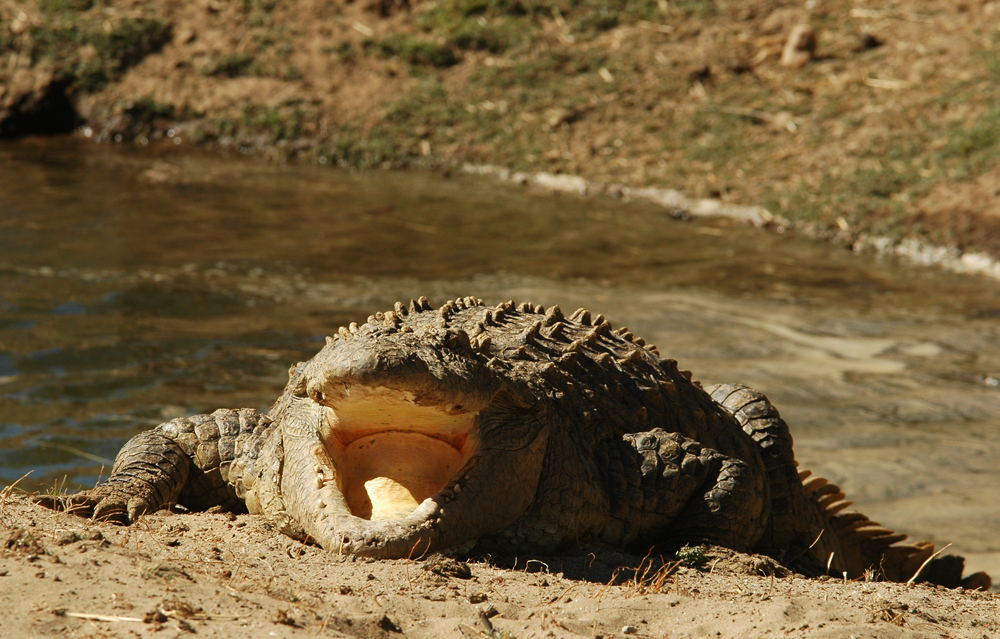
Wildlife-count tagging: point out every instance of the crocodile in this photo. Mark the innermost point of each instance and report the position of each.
(510, 429)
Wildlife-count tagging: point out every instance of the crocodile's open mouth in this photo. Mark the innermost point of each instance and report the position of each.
(391, 454)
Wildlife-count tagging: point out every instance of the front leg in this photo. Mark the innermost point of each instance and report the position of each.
(149, 473)
(671, 490)
(186, 461)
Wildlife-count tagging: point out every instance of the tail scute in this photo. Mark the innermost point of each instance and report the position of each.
(867, 546)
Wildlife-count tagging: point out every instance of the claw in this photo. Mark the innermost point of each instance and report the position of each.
(109, 508)
(111, 511)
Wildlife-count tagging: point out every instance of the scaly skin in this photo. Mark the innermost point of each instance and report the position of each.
(549, 430)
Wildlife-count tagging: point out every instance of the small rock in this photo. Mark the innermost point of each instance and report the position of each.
(186, 36)
(556, 116)
(66, 537)
(700, 73)
(629, 630)
(154, 616)
(800, 47)
(868, 41)
(447, 567)
(489, 611)
(388, 625)
(484, 622)
(282, 617)
(739, 66)
(91, 535)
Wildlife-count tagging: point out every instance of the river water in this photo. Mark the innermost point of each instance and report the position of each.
(136, 286)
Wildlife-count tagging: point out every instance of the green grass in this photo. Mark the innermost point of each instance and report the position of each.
(344, 51)
(415, 51)
(258, 12)
(274, 122)
(70, 27)
(146, 110)
(58, 6)
(692, 556)
(373, 149)
(230, 66)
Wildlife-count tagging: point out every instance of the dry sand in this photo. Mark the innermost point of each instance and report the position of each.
(222, 575)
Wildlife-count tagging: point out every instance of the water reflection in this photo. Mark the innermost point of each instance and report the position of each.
(135, 289)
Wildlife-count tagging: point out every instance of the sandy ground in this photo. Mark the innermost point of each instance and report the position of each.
(222, 575)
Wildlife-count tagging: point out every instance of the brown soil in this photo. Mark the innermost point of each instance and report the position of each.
(891, 129)
(223, 575)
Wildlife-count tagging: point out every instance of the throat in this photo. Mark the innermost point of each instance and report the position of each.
(386, 475)
(391, 454)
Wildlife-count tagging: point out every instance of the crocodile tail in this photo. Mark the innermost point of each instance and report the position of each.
(868, 547)
(811, 528)
(795, 528)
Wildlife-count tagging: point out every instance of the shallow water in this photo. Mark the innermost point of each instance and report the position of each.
(138, 287)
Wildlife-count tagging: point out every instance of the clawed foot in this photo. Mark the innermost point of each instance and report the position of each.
(99, 505)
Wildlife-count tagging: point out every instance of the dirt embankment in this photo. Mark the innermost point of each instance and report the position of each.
(220, 575)
(890, 127)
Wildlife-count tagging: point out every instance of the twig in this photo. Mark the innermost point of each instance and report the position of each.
(653, 26)
(363, 29)
(876, 83)
(815, 541)
(926, 561)
(889, 13)
(782, 121)
(104, 461)
(563, 594)
(93, 617)
(5, 493)
(770, 589)
(535, 561)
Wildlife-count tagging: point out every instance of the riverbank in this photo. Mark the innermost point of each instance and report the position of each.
(223, 575)
(886, 137)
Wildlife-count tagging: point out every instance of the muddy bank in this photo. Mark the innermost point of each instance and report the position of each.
(886, 131)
